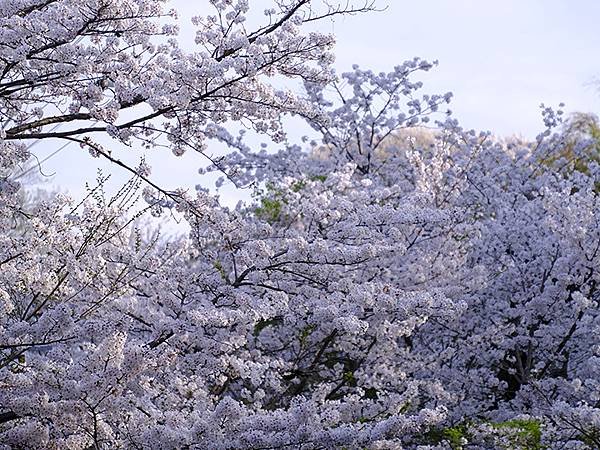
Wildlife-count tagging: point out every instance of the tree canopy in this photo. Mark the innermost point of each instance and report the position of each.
(401, 282)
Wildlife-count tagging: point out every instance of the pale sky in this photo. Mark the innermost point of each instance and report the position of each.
(500, 58)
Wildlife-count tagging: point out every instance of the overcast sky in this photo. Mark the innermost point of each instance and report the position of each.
(500, 58)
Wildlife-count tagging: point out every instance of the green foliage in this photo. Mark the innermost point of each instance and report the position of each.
(306, 332)
(272, 201)
(270, 209)
(349, 377)
(580, 126)
(521, 434)
(217, 265)
(298, 186)
(525, 434)
(453, 436)
(262, 324)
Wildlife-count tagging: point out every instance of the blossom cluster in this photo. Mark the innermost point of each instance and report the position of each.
(389, 287)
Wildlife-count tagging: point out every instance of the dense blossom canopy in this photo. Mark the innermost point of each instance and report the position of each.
(392, 286)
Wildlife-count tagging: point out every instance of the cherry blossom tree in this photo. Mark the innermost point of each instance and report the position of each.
(516, 361)
(391, 286)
